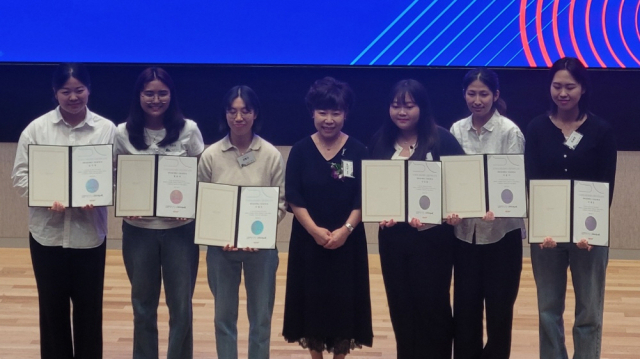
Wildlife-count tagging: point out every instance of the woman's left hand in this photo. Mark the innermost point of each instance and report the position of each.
(584, 244)
(415, 223)
(338, 237)
(489, 217)
(88, 207)
(248, 249)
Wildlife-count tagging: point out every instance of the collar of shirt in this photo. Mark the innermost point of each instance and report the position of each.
(226, 144)
(489, 126)
(88, 118)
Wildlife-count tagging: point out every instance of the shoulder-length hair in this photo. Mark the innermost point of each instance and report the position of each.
(426, 127)
(251, 103)
(173, 120)
(490, 79)
(579, 72)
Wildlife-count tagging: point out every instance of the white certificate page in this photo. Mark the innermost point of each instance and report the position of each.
(176, 189)
(507, 185)
(135, 185)
(463, 186)
(383, 190)
(92, 175)
(550, 210)
(424, 186)
(591, 212)
(216, 215)
(258, 217)
(48, 175)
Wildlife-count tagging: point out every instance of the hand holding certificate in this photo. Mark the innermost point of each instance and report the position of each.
(72, 176)
(243, 217)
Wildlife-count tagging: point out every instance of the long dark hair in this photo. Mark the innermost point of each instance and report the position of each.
(426, 127)
(251, 103)
(490, 79)
(579, 72)
(173, 120)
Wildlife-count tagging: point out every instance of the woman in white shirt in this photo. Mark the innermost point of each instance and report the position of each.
(157, 250)
(67, 244)
(488, 254)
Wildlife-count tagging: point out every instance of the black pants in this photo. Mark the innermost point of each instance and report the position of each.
(65, 275)
(416, 268)
(486, 274)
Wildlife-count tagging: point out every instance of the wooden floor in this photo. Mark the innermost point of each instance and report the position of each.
(19, 313)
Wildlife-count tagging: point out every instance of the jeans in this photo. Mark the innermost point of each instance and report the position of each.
(224, 271)
(153, 256)
(588, 271)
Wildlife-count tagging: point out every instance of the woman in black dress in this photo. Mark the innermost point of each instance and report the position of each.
(416, 259)
(327, 303)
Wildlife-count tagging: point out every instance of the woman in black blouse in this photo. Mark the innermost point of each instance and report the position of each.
(570, 142)
(416, 259)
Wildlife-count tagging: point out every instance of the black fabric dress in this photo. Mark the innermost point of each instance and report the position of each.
(327, 298)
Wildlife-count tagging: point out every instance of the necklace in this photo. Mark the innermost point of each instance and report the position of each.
(326, 146)
(153, 138)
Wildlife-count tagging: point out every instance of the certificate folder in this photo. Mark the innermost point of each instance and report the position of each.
(239, 216)
(75, 176)
(156, 185)
(476, 184)
(569, 211)
(401, 190)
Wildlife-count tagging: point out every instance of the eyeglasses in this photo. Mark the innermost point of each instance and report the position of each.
(149, 97)
(245, 114)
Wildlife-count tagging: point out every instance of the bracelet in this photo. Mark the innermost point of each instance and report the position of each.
(349, 226)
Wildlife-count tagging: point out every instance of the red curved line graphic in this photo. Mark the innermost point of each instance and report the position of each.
(573, 34)
(556, 36)
(523, 33)
(624, 41)
(591, 45)
(636, 20)
(543, 48)
(606, 37)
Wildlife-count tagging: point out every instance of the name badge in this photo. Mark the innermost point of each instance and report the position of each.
(246, 159)
(573, 140)
(347, 168)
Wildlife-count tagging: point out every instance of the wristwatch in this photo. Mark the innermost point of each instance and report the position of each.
(349, 226)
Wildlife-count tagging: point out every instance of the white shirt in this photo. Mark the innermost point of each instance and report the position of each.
(189, 143)
(498, 136)
(75, 227)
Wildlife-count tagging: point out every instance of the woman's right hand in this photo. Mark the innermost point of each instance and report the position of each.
(453, 219)
(229, 248)
(548, 243)
(386, 224)
(57, 206)
(321, 235)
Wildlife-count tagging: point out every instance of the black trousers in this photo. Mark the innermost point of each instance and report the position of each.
(416, 268)
(486, 274)
(66, 276)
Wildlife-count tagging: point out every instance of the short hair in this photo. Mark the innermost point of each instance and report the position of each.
(251, 102)
(490, 79)
(65, 71)
(579, 72)
(173, 120)
(329, 94)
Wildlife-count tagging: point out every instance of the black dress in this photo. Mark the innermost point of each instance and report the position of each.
(327, 302)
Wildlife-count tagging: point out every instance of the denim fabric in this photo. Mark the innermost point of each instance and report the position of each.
(153, 256)
(224, 271)
(588, 271)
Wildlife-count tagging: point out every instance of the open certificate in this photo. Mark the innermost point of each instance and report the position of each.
(507, 185)
(237, 216)
(424, 191)
(154, 185)
(75, 176)
(550, 210)
(464, 185)
(383, 190)
(591, 212)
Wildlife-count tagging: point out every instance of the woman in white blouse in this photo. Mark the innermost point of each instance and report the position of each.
(68, 245)
(488, 254)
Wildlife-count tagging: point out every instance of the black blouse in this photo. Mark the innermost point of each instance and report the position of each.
(593, 159)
